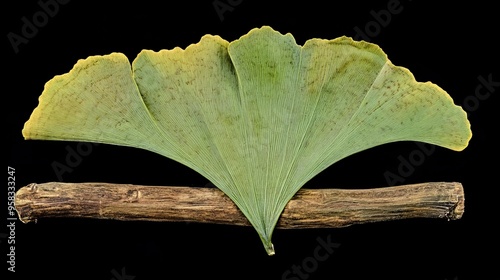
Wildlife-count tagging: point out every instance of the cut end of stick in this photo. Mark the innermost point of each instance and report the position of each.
(457, 210)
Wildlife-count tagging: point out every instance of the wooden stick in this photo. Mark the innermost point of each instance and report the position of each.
(309, 208)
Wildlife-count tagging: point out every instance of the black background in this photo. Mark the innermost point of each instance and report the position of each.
(450, 44)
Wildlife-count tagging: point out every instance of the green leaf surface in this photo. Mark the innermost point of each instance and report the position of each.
(258, 117)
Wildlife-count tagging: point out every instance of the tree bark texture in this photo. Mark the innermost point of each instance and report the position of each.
(309, 208)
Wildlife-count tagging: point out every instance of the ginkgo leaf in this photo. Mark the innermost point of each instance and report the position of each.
(258, 117)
